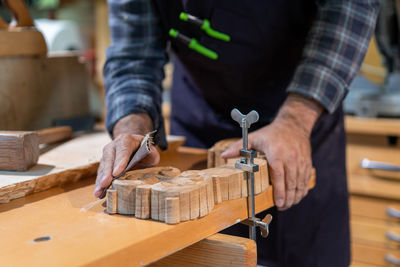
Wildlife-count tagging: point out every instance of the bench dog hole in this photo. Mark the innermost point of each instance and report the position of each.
(41, 239)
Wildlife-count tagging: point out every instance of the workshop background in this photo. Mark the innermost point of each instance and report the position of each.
(67, 89)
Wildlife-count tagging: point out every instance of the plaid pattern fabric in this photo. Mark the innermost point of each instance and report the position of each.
(133, 71)
(335, 48)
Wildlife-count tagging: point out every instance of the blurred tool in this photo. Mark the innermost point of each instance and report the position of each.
(61, 35)
(367, 99)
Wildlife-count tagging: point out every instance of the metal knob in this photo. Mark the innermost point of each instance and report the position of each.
(378, 165)
(392, 259)
(393, 212)
(264, 225)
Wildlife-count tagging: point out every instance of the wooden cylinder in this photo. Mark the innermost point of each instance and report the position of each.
(143, 200)
(111, 201)
(172, 211)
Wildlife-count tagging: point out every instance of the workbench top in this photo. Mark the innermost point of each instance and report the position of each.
(92, 237)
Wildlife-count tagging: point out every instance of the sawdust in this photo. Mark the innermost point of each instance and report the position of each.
(91, 205)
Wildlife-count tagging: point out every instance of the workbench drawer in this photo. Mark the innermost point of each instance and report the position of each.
(375, 255)
(375, 232)
(375, 208)
(373, 148)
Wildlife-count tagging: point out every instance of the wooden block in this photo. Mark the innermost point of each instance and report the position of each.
(214, 156)
(217, 190)
(217, 250)
(210, 158)
(219, 161)
(154, 205)
(161, 189)
(126, 196)
(172, 210)
(261, 180)
(263, 169)
(229, 180)
(203, 206)
(194, 203)
(111, 201)
(184, 205)
(210, 195)
(235, 186)
(244, 186)
(143, 201)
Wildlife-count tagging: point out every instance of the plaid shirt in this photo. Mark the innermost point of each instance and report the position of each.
(335, 47)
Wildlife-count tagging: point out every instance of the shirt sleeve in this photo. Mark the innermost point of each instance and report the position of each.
(335, 48)
(133, 71)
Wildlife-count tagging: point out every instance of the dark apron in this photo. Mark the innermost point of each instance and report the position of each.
(252, 72)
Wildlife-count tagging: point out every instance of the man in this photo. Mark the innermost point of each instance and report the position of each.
(292, 61)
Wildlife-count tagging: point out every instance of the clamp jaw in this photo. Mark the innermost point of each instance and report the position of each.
(247, 164)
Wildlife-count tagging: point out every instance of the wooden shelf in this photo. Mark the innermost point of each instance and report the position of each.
(374, 126)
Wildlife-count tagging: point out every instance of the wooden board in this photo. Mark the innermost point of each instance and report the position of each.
(217, 250)
(68, 162)
(95, 238)
(376, 126)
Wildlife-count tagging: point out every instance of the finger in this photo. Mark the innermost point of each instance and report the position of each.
(124, 148)
(278, 182)
(301, 181)
(308, 178)
(105, 177)
(290, 185)
(233, 150)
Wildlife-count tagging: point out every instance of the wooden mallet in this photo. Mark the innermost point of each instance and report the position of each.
(19, 150)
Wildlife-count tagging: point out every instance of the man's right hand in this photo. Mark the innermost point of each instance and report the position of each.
(129, 133)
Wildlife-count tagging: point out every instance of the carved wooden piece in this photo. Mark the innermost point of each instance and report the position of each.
(20, 150)
(111, 201)
(127, 189)
(164, 194)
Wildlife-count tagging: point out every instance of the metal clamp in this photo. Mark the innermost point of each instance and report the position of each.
(247, 164)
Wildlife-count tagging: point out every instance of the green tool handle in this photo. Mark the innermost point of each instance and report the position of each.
(195, 45)
(205, 26)
(213, 33)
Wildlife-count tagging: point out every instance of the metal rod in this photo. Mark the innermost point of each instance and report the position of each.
(252, 229)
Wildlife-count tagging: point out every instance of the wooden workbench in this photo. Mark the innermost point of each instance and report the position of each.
(93, 237)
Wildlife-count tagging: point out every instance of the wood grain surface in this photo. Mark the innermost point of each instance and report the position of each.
(95, 238)
(68, 162)
(216, 250)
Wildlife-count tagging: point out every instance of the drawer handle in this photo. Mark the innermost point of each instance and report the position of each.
(379, 165)
(392, 259)
(393, 236)
(393, 212)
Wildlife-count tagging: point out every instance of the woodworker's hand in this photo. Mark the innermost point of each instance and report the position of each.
(128, 133)
(286, 144)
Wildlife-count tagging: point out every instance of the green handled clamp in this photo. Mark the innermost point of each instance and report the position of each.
(192, 43)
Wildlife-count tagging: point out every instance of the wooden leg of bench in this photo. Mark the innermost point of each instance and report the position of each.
(216, 250)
